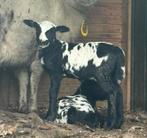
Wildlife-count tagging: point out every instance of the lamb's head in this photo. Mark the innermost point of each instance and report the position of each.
(45, 31)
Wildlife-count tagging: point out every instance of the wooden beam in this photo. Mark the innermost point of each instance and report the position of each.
(128, 71)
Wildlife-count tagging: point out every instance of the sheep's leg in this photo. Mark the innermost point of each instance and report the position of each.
(53, 93)
(23, 78)
(36, 72)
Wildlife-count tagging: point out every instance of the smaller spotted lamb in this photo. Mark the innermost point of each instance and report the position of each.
(79, 108)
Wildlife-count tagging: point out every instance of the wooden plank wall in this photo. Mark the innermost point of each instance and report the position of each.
(107, 21)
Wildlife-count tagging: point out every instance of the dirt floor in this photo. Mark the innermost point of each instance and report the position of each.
(16, 125)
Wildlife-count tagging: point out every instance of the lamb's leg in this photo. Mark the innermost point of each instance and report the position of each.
(115, 106)
(23, 79)
(109, 87)
(36, 72)
(53, 93)
(119, 109)
(91, 119)
(111, 118)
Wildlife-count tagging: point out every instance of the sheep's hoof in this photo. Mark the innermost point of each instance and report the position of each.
(33, 110)
(23, 109)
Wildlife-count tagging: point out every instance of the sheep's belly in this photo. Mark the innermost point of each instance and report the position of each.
(15, 57)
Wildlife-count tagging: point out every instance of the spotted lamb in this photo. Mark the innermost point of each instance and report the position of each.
(77, 109)
(100, 61)
(81, 107)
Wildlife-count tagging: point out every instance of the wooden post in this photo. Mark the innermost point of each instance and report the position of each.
(128, 71)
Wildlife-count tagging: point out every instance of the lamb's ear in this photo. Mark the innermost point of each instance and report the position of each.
(31, 23)
(62, 29)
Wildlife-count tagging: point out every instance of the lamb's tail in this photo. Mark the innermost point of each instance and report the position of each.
(119, 73)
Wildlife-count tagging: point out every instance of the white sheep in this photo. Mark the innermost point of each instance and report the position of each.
(17, 42)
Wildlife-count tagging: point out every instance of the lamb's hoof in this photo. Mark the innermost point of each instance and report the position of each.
(50, 118)
(108, 128)
(118, 124)
(109, 125)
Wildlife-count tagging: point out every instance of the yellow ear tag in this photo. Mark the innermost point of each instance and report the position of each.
(84, 29)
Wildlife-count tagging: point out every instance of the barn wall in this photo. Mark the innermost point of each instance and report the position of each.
(107, 21)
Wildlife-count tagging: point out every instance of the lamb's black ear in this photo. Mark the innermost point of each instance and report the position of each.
(31, 23)
(62, 29)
